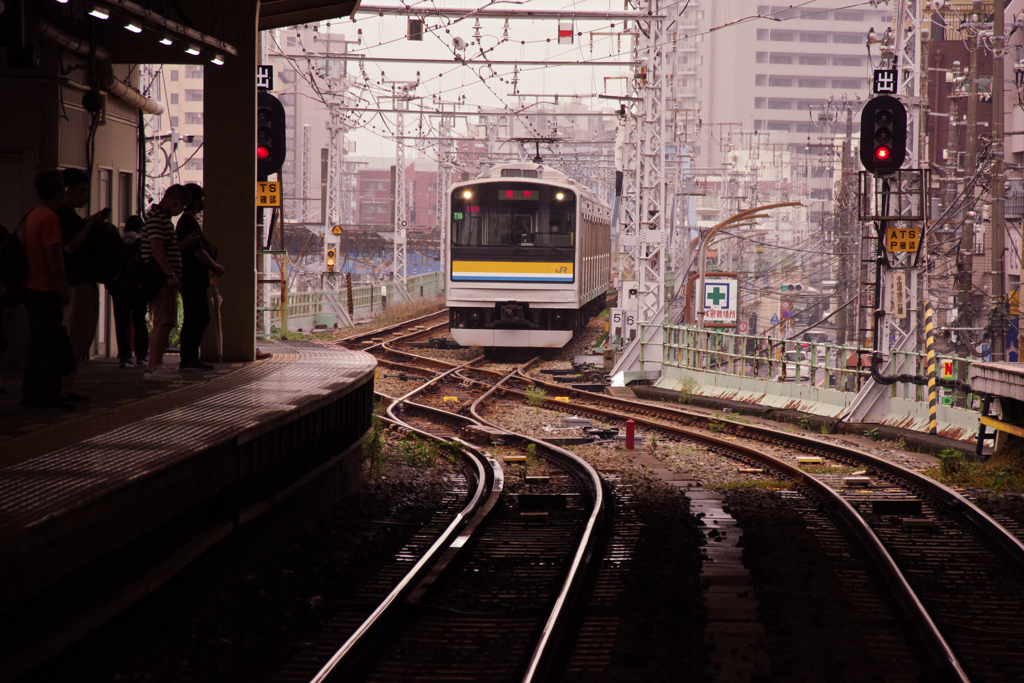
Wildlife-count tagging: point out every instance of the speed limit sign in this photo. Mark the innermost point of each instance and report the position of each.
(742, 327)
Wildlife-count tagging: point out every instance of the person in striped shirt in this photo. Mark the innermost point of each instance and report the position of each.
(160, 249)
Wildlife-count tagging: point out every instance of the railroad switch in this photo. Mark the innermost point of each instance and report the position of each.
(857, 481)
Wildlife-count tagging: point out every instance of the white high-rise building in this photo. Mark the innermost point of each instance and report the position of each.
(787, 72)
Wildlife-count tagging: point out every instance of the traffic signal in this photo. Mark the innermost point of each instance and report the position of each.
(270, 135)
(794, 287)
(883, 135)
(330, 260)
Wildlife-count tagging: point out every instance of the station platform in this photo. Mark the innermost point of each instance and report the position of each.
(1002, 382)
(100, 507)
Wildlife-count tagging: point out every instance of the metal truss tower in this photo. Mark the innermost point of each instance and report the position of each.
(401, 94)
(643, 236)
(908, 56)
(444, 180)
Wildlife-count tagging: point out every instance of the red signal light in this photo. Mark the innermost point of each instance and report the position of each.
(262, 152)
(882, 153)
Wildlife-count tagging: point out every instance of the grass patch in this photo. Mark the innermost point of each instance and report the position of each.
(1003, 472)
(827, 469)
(535, 397)
(756, 484)
(373, 449)
(690, 387)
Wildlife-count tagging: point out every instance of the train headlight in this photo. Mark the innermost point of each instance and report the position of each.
(560, 196)
(467, 194)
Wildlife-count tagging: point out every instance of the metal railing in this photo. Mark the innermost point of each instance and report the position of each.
(822, 365)
(308, 309)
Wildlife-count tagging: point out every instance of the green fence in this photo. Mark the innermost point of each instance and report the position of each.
(309, 309)
(828, 366)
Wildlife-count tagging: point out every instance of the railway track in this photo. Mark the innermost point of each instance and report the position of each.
(489, 599)
(956, 574)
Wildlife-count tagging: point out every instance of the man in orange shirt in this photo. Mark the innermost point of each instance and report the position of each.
(46, 292)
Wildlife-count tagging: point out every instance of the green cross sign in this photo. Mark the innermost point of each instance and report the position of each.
(715, 297)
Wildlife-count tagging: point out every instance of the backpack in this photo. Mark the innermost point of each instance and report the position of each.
(13, 269)
(131, 282)
(99, 260)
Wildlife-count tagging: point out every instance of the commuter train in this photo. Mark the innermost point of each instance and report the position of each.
(528, 257)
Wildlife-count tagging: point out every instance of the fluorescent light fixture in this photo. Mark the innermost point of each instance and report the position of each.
(165, 38)
(99, 12)
(63, 2)
(132, 26)
(218, 60)
(192, 50)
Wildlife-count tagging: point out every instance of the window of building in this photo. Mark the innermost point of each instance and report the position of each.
(174, 122)
(287, 99)
(762, 58)
(812, 83)
(763, 34)
(849, 83)
(197, 140)
(193, 118)
(803, 127)
(780, 82)
(174, 98)
(287, 76)
(291, 41)
(174, 75)
(193, 95)
(195, 165)
(813, 37)
(848, 16)
(761, 79)
(783, 36)
(847, 61)
(848, 38)
(780, 104)
(125, 196)
(779, 125)
(106, 188)
(778, 58)
(814, 60)
(194, 72)
(289, 122)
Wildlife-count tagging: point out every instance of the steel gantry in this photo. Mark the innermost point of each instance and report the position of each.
(445, 160)
(643, 234)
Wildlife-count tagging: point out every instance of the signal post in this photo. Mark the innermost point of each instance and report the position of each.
(896, 201)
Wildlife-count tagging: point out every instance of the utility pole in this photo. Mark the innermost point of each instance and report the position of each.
(998, 189)
(965, 292)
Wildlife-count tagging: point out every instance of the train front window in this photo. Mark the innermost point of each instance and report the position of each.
(513, 215)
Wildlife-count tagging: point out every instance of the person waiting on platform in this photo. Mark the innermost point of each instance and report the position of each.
(46, 292)
(196, 265)
(163, 261)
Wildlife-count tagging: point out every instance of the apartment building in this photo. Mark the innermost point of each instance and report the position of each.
(767, 75)
(174, 140)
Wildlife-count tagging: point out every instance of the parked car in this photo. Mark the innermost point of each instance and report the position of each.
(791, 358)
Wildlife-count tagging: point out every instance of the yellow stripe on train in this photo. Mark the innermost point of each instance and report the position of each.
(513, 271)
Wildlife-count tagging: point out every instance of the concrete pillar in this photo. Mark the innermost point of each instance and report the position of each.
(229, 178)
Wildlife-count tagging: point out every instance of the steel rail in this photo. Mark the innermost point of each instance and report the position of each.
(449, 538)
(385, 330)
(911, 604)
(542, 654)
(884, 562)
(955, 502)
